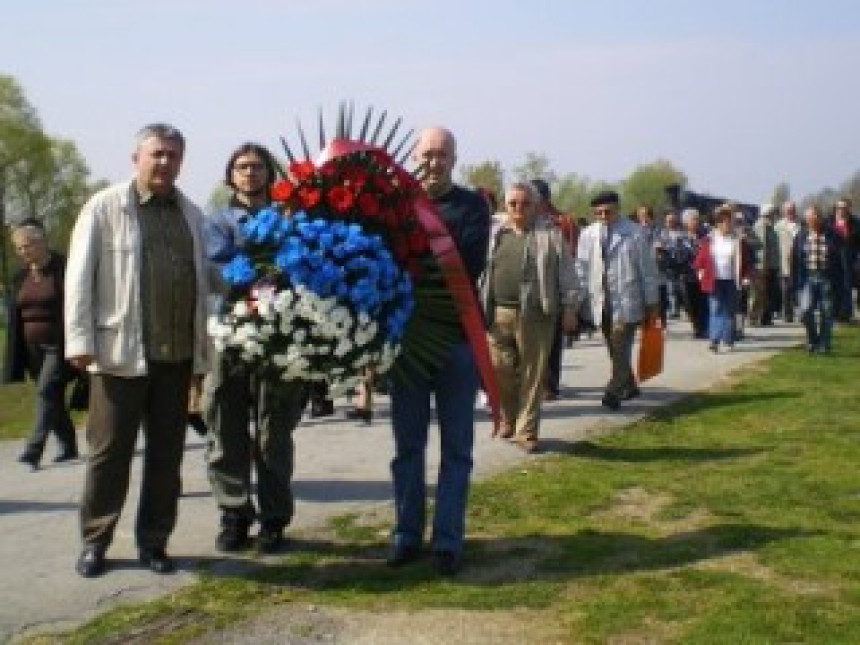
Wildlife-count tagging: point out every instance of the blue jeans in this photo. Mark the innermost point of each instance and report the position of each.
(52, 413)
(455, 386)
(817, 296)
(723, 302)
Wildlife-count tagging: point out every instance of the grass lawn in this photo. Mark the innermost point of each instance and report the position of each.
(17, 403)
(732, 517)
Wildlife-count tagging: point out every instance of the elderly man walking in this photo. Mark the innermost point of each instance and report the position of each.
(617, 269)
(786, 230)
(530, 282)
(135, 317)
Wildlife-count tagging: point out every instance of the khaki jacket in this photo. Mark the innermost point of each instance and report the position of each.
(102, 286)
(549, 276)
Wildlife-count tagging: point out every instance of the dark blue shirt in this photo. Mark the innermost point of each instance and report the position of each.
(467, 216)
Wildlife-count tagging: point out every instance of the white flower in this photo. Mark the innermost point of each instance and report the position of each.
(284, 301)
(266, 331)
(240, 309)
(343, 347)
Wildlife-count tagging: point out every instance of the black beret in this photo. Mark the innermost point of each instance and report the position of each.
(604, 197)
(542, 188)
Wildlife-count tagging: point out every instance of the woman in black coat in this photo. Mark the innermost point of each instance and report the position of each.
(34, 341)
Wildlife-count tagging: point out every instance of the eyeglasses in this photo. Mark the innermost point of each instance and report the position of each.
(249, 166)
(604, 210)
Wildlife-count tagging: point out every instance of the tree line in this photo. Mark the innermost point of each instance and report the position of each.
(41, 176)
(45, 177)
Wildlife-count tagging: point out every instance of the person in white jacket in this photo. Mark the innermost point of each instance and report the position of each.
(787, 229)
(616, 267)
(135, 317)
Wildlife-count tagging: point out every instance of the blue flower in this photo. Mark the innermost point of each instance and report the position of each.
(265, 226)
(239, 271)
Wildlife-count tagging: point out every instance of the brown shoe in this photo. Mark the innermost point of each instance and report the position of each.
(528, 445)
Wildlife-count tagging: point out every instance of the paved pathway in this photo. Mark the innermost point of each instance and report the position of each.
(341, 467)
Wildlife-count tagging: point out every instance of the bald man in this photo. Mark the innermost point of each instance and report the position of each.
(454, 386)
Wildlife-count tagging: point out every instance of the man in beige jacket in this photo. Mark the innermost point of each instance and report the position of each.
(135, 318)
(529, 282)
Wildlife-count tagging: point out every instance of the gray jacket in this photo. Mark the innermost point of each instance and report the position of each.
(549, 276)
(631, 271)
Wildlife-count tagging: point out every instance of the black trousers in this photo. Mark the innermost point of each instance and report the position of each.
(119, 408)
(46, 364)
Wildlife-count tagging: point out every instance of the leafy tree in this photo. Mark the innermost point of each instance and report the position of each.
(218, 198)
(781, 194)
(535, 166)
(486, 174)
(850, 188)
(572, 194)
(40, 176)
(646, 186)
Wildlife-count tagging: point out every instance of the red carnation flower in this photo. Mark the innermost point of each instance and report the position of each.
(309, 196)
(369, 205)
(282, 190)
(418, 242)
(340, 199)
(383, 185)
(356, 177)
(302, 170)
(393, 220)
(400, 247)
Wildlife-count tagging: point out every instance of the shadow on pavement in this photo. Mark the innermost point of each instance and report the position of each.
(331, 490)
(8, 506)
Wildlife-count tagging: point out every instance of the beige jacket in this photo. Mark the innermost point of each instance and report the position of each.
(102, 299)
(549, 278)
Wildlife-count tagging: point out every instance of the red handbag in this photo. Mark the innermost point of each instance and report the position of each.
(650, 349)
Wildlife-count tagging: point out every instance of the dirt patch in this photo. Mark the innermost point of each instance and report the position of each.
(312, 625)
(641, 506)
(747, 564)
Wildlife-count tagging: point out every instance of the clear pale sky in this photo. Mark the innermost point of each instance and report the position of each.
(740, 94)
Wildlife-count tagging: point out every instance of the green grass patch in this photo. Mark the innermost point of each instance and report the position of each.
(731, 517)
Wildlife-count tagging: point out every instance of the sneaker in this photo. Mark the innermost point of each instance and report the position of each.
(234, 534)
(447, 563)
(270, 539)
(402, 555)
(30, 458)
(610, 401)
(324, 408)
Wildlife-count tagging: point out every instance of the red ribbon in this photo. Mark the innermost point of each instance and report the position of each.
(456, 278)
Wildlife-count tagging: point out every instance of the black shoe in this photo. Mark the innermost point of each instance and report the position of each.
(67, 455)
(632, 393)
(156, 560)
(403, 555)
(447, 563)
(323, 408)
(360, 414)
(610, 401)
(195, 420)
(270, 539)
(234, 534)
(714, 347)
(30, 458)
(91, 562)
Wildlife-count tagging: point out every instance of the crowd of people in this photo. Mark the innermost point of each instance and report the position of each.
(129, 309)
